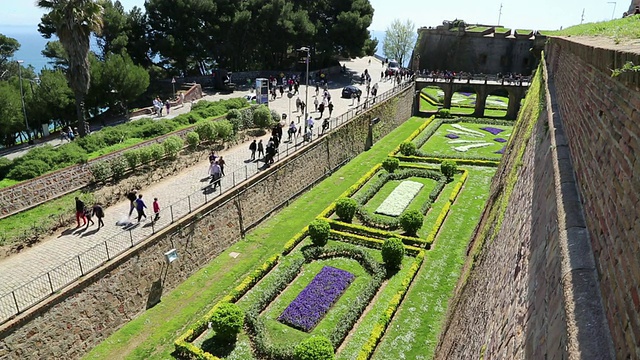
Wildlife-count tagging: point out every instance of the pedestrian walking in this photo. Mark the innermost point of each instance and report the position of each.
(167, 104)
(315, 103)
(221, 162)
(99, 213)
(330, 106)
(260, 149)
(80, 212)
(156, 209)
(321, 109)
(214, 170)
(88, 214)
(132, 199)
(252, 147)
(140, 206)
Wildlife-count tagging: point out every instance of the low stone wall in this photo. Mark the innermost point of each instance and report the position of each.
(87, 312)
(194, 93)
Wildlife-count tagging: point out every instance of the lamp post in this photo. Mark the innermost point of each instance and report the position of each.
(613, 13)
(306, 94)
(24, 108)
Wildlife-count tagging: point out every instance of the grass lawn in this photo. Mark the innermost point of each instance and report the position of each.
(41, 217)
(625, 28)
(462, 103)
(413, 332)
(439, 145)
(152, 333)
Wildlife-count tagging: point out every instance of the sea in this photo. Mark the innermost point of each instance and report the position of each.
(32, 43)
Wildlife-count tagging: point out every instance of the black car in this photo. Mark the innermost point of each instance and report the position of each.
(350, 90)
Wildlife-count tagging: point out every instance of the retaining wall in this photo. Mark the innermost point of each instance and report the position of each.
(84, 314)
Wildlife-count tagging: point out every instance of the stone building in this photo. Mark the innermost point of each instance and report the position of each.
(477, 49)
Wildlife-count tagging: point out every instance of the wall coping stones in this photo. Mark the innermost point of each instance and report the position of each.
(588, 332)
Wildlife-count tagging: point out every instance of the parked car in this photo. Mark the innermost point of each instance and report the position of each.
(250, 97)
(350, 90)
(393, 67)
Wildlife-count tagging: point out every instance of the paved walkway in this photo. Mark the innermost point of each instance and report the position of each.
(62, 258)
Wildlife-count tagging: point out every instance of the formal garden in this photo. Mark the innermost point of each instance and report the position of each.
(462, 103)
(365, 271)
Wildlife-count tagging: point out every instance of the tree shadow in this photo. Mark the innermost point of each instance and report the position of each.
(218, 346)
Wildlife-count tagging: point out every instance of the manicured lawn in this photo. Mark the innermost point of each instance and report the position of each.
(151, 334)
(625, 28)
(413, 332)
(439, 145)
(113, 148)
(463, 103)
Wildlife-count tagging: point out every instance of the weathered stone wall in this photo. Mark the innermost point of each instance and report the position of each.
(89, 311)
(602, 122)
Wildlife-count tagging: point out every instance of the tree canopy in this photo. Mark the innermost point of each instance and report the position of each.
(400, 38)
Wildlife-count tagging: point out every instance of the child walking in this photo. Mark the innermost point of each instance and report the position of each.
(156, 209)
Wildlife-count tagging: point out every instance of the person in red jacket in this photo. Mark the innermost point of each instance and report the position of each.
(156, 209)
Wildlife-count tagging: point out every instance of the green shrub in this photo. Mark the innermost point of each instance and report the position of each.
(146, 154)
(112, 135)
(69, 154)
(172, 146)
(444, 113)
(448, 168)
(275, 117)
(391, 164)
(319, 232)
(132, 157)
(193, 118)
(314, 348)
(411, 221)
(408, 148)
(101, 171)
(118, 167)
(28, 169)
(235, 118)
(193, 140)
(91, 143)
(5, 167)
(346, 208)
(227, 321)
(224, 130)
(46, 153)
(247, 117)
(392, 253)
(206, 130)
(262, 117)
(157, 151)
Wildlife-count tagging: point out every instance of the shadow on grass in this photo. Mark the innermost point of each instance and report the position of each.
(219, 346)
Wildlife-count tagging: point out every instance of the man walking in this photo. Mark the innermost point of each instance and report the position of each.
(140, 206)
(253, 147)
(260, 149)
(99, 213)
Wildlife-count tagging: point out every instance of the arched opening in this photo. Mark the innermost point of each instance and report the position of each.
(431, 99)
(497, 103)
(463, 101)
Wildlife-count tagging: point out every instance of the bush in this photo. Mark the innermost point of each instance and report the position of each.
(391, 164)
(68, 154)
(235, 118)
(227, 321)
(411, 221)
(408, 148)
(132, 157)
(157, 151)
(206, 130)
(247, 117)
(392, 253)
(193, 118)
(444, 113)
(193, 140)
(146, 154)
(172, 146)
(448, 168)
(118, 167)
(262, 117)
(28, 169)
(275, 117)
(112, 135)
(101, 171)
(224, 130)
(91, 143)
(346, 208)
(5, 167)
(314, 348)
(319, 232)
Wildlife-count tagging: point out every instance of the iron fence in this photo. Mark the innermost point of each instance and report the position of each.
(44, 285)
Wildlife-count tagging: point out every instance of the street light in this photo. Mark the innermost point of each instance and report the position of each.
(306, 95)
(24, 109)
(613, 13)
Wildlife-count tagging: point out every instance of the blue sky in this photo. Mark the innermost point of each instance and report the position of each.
(540, 14)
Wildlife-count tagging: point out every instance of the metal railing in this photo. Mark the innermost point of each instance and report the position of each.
(47, 284)
(476, 79)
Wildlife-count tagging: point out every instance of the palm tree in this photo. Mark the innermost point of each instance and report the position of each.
(73, 21)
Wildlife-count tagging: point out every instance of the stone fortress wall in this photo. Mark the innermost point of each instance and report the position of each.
(79, 317)
(560, 278)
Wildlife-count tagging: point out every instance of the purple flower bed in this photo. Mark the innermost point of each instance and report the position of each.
(315, 300)
(500, 140)
(501, 151)
(492, 130)
(467, 94)
(452, 136)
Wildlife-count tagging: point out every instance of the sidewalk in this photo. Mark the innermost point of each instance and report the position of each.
(65, 247)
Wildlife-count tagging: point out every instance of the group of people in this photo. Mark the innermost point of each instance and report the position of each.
(85, 213)
(158, 106)
(138, 204)
(216, 169)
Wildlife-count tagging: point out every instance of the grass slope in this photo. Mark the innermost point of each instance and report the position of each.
(151, 334)
(413, 332)
(625, 28)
